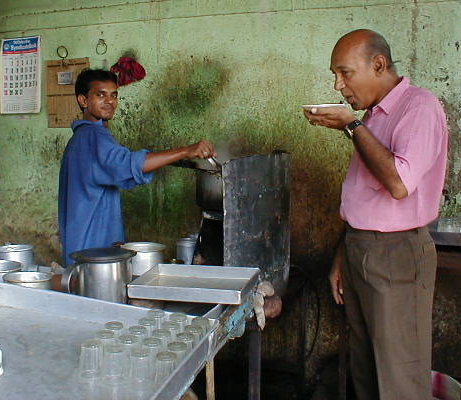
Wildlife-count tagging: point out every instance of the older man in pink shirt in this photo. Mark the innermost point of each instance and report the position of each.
(384, 267)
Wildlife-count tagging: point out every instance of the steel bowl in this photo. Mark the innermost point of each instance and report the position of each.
(37, 280)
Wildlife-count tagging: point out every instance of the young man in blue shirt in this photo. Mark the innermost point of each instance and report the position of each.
(95, 167)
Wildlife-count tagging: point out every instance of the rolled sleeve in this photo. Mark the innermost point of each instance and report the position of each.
(116, 165)
(417, 144)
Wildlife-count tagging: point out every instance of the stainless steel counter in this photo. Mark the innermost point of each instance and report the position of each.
(41, 332)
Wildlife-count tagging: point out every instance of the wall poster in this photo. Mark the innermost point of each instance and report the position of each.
(20, 75)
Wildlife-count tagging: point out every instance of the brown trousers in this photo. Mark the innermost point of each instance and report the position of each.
(388, 293)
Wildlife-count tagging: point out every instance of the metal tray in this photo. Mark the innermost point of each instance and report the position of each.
(441, 236)
(195, 283)
(40, 335)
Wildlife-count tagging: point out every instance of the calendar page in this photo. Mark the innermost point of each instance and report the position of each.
(21, 75)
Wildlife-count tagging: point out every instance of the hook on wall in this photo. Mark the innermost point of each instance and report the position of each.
(101, 47)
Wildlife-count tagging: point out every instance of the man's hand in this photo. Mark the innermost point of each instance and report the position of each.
(202, 149)
(331, 117)
(335, 277)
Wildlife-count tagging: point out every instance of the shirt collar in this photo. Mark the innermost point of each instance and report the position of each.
(80, 122)
(392, 97)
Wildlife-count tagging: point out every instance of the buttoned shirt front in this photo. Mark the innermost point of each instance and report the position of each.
(411, 123)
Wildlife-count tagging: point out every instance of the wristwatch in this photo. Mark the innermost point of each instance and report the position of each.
(349, 128)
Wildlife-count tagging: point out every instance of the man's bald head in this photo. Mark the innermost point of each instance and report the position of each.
(372, 42)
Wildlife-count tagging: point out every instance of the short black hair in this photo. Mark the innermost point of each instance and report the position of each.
(84, 79)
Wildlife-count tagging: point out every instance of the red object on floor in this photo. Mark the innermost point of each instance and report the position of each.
(128, 71)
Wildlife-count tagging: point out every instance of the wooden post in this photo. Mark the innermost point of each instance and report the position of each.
(210, 391)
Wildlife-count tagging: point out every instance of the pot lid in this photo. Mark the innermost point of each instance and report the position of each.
(144, 247)
(102, 255)
(15, 247)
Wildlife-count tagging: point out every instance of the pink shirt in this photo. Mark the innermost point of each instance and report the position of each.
(411, 123)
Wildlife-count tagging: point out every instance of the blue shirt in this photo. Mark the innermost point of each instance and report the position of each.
(93, 169)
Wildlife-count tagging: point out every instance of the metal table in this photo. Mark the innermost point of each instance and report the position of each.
(41, 332)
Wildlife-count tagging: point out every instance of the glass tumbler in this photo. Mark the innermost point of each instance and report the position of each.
(115, 364)
(149, 324)
(90, 359)
(139, 331)
(158, 316)
(179, 318)
(195, 331)
(186, 338)
(114, 326)
(164, 335)
(140, 368)
(128, 342)
(178, 348)
(106, 337)
(165, 363)
(173, 327)
(154, 346)
(203, 322)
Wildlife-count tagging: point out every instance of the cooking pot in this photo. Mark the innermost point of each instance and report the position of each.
(18, 252)
(209, 190)
(102, 273)
(37, 280)
(7, 266)
(148, 255)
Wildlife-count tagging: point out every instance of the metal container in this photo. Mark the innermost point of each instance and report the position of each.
(185, 248)
(209, 190)
(148, 255)
(36, 280)
(102, 273)
(22, 253)
(7, 266)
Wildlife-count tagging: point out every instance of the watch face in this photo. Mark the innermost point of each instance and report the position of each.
(348, 132)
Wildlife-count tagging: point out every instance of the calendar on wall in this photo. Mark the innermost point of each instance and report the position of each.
(21, 75)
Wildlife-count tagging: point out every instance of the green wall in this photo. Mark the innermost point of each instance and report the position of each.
(231, 71)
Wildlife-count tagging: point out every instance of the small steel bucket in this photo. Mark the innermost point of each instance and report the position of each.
(37, 280)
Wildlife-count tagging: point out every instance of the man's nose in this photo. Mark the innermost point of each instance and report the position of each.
(339, 83)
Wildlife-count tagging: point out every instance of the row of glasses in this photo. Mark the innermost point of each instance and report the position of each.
(143, 354)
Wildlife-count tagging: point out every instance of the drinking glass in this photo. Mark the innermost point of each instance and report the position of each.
(173, 327)
(165, 363)
(90, 359)
(128, 342)
(178, 348)
(164, 335)
(195, 331)
(114, 326)
(149, 324)
(186, 338)
(115, 363)
(158, 316)
(179, 318)
(140, 368)
(139, 331)
(154, 346)
(105, 336)
(203, 322)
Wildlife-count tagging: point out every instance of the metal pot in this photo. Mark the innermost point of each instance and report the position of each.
(102, 273)
(37, 280)
(7, 266)
(22, 253)
(209, 190)
(148, 255)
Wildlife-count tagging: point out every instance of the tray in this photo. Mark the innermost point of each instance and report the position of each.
(442, 237)
(40, 335)
(195, 283)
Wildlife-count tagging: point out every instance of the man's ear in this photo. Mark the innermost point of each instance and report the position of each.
(379, 64)
(82, 101)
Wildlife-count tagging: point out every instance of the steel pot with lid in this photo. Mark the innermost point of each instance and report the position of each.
(148, 255)
(22, 253)
(7, 266)
(102, 273)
